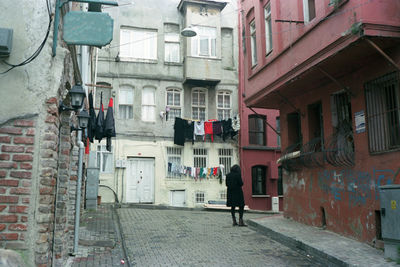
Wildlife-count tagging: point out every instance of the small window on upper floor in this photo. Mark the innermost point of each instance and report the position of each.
(309, 10)
(268, 28)
(224, 105)
(138, 44)
(125, 103)
(174, 103)
(148, 104)
(199, 104)
(253, 43)
(172, 43)
(257, 130)
(204, 44)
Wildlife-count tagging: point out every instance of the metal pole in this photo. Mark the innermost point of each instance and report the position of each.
(78, 192)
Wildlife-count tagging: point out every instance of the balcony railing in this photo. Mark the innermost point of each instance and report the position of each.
(337, 150)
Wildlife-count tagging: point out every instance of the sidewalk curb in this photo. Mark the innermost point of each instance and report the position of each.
(292, 243)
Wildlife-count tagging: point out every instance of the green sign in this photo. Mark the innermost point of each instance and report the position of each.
(88, 28)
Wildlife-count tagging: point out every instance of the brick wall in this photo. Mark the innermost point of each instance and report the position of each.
(17, 138)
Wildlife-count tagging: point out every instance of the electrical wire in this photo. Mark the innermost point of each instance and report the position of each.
(38, 50)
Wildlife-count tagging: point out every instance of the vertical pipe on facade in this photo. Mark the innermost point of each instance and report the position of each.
(78, 192)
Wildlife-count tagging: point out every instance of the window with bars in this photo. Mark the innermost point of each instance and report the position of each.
(268, 28)
(280, 181)
(224, 105)
(225, 158)
(174, 160)
(200, 157)
(125, 101)
(383, 113)
(105, 160)
(258, 175)
(199, 104)
(253, 43)
(148, 104)
(257, 130)
(222, 194)
(174, 103)
(200, 197)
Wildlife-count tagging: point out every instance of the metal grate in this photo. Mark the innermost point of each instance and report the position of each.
(174, 156)
(199, 197)
(225, 158)
(200, 157)
(383, 112)
(222, 194)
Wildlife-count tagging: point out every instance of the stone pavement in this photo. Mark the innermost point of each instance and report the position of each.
(171, 237)
(326, 245)
(99, 239)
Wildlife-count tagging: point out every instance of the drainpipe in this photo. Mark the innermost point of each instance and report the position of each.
(78, 191)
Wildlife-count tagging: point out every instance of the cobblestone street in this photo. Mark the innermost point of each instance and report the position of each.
(199, 238)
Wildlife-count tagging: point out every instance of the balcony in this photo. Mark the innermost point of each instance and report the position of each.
(202, 70)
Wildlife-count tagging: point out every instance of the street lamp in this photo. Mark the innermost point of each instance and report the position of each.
(188, 32)
(77, 96)
(83, 121)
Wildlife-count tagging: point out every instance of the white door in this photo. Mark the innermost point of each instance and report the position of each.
(178, 198)
(140, 180)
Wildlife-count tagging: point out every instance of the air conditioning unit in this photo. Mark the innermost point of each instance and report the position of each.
(275, 204)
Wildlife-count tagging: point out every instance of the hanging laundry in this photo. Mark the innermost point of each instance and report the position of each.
(169, 167)
(204, 172)
(91, 129)
(227, 129)
(179, 134)
(217, 127)
(198, 129)
(193, 172)
(236, 123)
(208, 172)
(99, 131)
(109, 125)
(215, 171)
(208, 129)
(189, 130)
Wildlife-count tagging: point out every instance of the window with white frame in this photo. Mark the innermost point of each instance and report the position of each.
(199, 104)
(253, 43)
(137, 43)
(200, 157)
(104, 159)
(225, 158)
(172, 47)
(199, 197)
(278, 129)
(174, 103)
(174, 161)
(268, 28)
(125, 103)
(309, 10)
(205, 42)
(223, 105)
(148, 104)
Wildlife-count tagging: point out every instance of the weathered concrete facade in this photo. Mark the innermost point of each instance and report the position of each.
(325, 73)
(38, 165)
(138, 140)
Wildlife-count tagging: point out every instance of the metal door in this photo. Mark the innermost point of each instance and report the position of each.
(140, 180)
(178, 198)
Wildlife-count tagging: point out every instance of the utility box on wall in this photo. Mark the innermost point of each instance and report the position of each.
(390, 217)
(6, 36)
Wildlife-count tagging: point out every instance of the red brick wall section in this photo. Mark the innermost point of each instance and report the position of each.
(17, 139)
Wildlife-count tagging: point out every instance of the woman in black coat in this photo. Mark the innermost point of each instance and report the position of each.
(235, 197)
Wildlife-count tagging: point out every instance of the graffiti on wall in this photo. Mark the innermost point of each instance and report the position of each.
(359, 186)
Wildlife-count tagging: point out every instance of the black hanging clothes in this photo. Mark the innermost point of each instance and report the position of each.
(99, 132)
(92, 120)
(217, 127)
(179, 132)
(227, 129)
(109, 125)
(189, 130)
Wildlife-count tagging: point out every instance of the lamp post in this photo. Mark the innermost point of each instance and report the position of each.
(77, 95)
(188, 32)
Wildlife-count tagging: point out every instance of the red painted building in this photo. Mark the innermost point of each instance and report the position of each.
(259, 144)
(331, 67)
